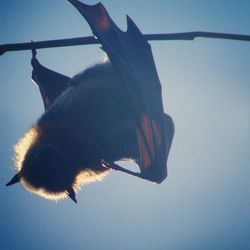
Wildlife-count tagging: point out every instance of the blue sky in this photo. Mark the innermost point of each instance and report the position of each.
(205, 201)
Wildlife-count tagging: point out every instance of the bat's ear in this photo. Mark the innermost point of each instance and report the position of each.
(14, 180)
(71, 194)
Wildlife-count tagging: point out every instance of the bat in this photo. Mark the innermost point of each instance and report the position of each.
(109, 112)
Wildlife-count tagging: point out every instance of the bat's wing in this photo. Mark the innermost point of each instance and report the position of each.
(51, 84)
(131, 56)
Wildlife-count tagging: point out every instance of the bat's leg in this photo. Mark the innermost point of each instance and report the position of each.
(115, 166)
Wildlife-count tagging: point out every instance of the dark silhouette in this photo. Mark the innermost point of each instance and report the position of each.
(92, 119)
(109, 112)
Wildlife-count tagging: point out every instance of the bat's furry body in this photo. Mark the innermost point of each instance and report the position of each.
(91, 120)
(100, 116)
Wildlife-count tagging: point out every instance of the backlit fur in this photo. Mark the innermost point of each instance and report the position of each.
(91, 120)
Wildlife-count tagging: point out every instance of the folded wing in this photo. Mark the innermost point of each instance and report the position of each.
(132, 58)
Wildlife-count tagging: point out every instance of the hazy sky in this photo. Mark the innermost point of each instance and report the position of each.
(205, 201)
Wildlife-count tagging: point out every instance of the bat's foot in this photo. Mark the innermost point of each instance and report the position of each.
(111, 165)
(34, 53)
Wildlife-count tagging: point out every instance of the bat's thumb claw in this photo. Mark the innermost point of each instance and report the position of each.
(104, 164)
(109, 165)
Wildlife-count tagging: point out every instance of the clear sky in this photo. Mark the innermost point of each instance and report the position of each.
(205, 201)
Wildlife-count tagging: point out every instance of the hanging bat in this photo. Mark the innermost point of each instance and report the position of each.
(109, 112)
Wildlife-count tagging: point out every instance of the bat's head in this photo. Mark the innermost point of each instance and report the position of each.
(43, 169)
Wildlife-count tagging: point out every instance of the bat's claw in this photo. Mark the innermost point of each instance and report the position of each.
(104, 164)
(109, 165)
